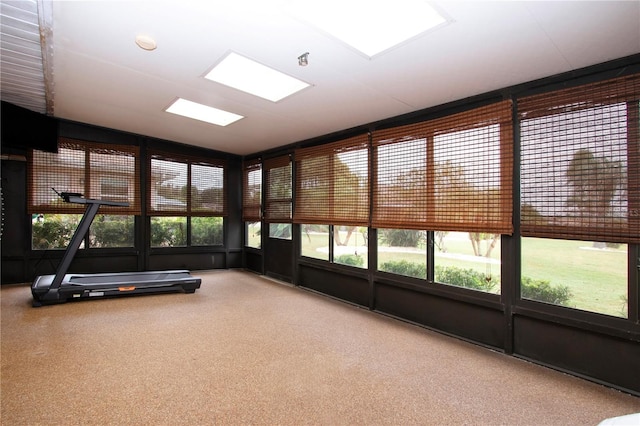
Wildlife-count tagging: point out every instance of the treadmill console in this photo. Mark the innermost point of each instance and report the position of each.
(67, 195)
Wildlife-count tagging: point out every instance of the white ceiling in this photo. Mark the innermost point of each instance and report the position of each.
(100, 76)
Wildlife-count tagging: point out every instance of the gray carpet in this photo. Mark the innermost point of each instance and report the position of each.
(247, 350)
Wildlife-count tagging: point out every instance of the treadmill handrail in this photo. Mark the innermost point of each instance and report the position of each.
(91, 210)
(82, 200)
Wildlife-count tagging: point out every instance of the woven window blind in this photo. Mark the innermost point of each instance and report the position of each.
(278, 192)
(332, 183)
(182, 185)
(580, 162)
(252, 190)
(451, 174)
(100, 171)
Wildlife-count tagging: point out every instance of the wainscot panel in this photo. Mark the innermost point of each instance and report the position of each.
(480, 324)
(346, 287)
(45, 263)
(608, 359)
(253, 261)
(234, 259)
(190, 261)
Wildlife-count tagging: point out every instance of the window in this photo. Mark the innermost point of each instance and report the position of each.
(280, 230)
(350, 245)
(253, 231)
(102, 171)
(332, 186)
(186, 200)
(403, 252)
(468, 259)
(585, 275)
(451, 176)
(252, 201)
(332, 183)
(53, 231)
(112, 231)
(452, 173)
(206, 231)
(580, 179)
(314, 241)
(278, 196)
(168, 231)
(114, 189)
(344, 245)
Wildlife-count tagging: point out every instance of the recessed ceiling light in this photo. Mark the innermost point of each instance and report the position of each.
(249, 76)
(146, 42)
(370, 26)
(202, 112)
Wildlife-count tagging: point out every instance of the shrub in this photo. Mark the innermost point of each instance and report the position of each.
(51, 234)
(402, 267)
(350, 259)
(543, 291)
(168, 231)
(402, 237)
(112, 231)
(206, 231)
(468, 278)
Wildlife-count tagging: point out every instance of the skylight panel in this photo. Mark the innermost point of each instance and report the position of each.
(201, 112)
(369, 26)
(251, 77)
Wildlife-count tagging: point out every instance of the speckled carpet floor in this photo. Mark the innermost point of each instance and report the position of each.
(247, 350)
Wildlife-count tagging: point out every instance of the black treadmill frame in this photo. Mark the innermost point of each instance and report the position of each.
(62, 287)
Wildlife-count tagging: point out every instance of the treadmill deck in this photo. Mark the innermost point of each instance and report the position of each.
(75, 286)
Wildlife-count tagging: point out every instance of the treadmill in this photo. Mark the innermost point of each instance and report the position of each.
(62, 287)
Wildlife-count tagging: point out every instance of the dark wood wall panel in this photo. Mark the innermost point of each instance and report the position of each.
(477, 323)
(588, 353)
(350, 288)
(253, 261)
(187, 261)
(278, 259)
(47, 262)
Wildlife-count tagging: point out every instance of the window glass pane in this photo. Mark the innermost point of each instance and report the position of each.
(206, 231)
(168, 231)
(400, 186)
(402, 252)
(590, 276)
(112, 231)
(114, 189)
(280, 230)
(207, 189)
(253, 232)
(63, 171)
(314, 241)
(573, 168)
(468, 259)
(252, 192)
(332, 183)
(278, 190)
(468, 180)
(168, 186)
(113, 176)
(53, 231)
(350, 246)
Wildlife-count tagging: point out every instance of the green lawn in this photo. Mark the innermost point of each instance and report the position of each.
(597, 278)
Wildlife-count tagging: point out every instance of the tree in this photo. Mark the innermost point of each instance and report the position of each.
(594, 182)
(477, 237)
(452, 185)
(351, 185)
